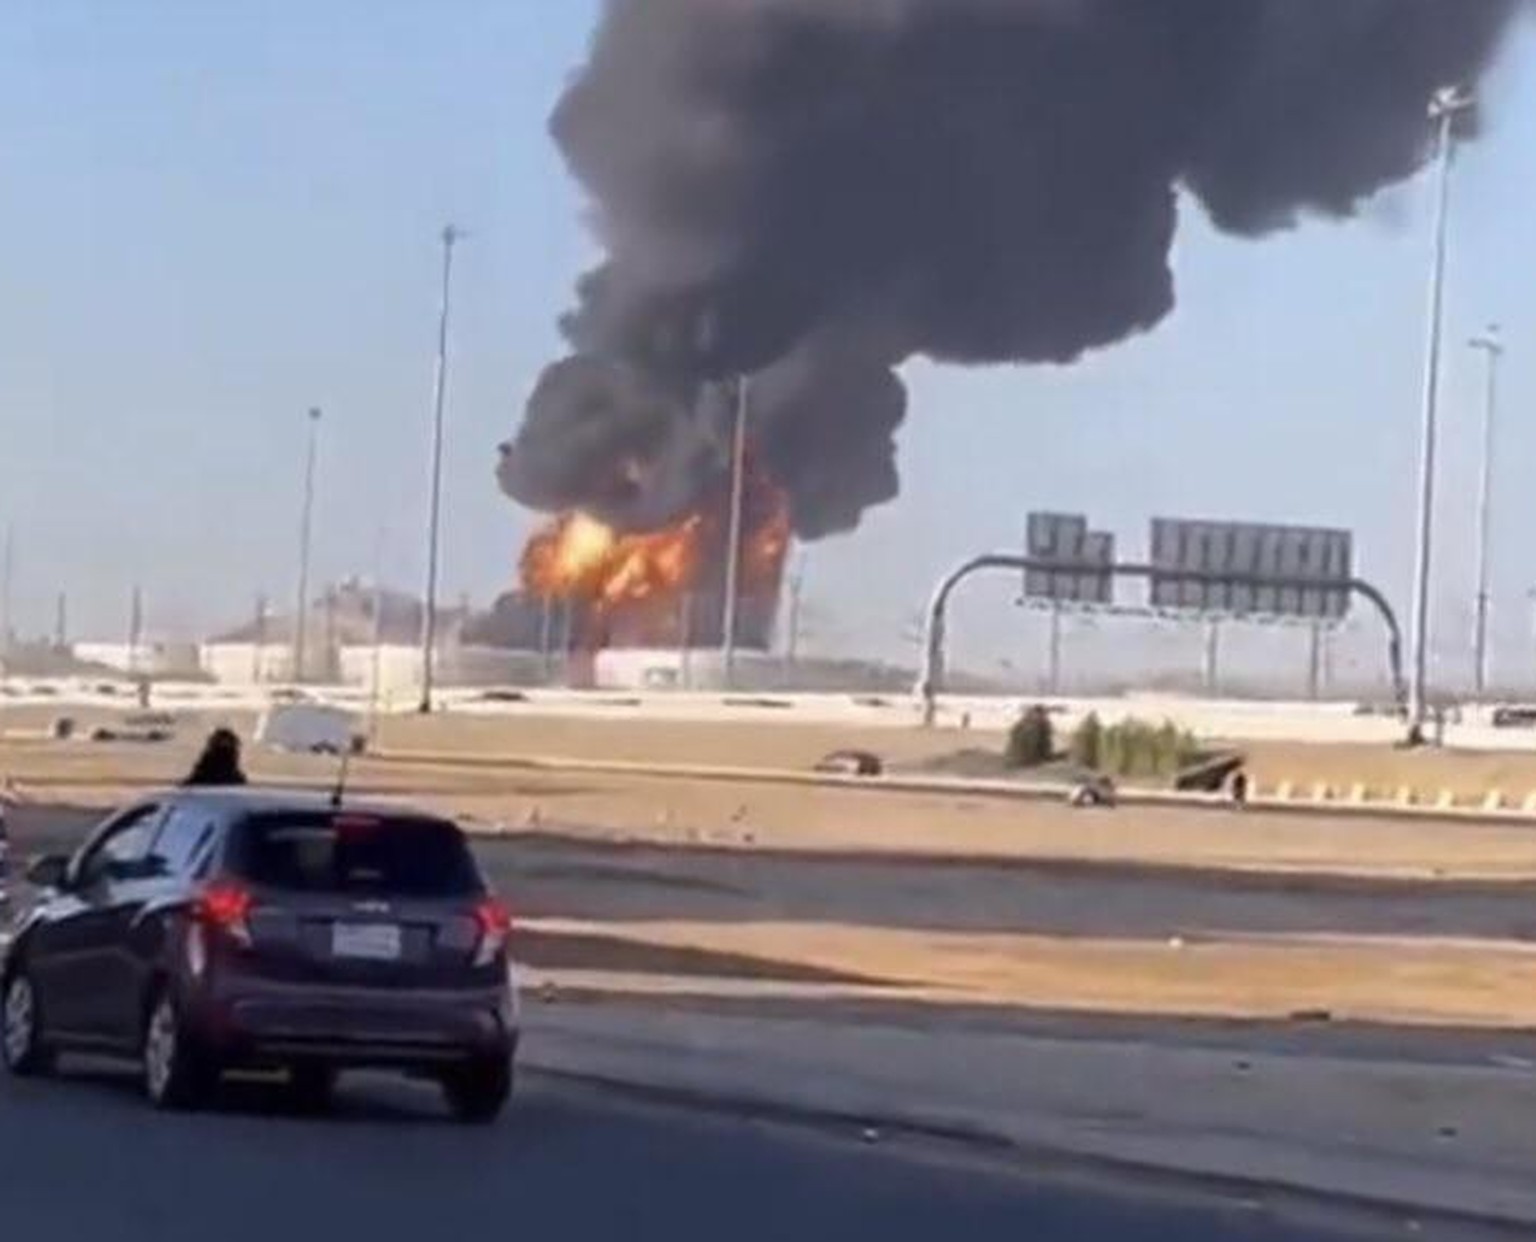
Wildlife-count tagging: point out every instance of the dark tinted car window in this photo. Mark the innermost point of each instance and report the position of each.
(183, 839)
(355, 854)
(124, 846)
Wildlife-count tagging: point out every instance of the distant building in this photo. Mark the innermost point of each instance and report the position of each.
(246, 663)
(347, 618)
(150, 658)
(396, 669)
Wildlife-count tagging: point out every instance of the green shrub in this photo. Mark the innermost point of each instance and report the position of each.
(1087, 746)
(1134, 748)
(1031, 741)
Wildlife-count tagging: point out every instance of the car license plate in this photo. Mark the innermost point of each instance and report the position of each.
(375, 942)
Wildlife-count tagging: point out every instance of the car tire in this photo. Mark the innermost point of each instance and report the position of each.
(22, 1042)
(478, 1091)
(177, 1073)
(311, 1088)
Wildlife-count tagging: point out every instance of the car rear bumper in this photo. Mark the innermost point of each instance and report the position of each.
(263, 1023)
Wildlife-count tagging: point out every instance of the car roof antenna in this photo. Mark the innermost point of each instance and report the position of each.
(339, 789)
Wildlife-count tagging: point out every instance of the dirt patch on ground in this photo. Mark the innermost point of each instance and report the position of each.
(773, 742)
(1393, 983)
(746, 814)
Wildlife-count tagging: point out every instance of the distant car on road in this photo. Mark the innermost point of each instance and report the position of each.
(207, 930)
(850, 763)
(309, 729)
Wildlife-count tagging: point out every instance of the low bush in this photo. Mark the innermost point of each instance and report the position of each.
(1134, 748)
(1031, 740)
(1086, 749)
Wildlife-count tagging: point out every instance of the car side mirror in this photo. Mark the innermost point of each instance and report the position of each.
(50, 871)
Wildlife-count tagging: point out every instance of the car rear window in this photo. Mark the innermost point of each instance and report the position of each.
(346, 853)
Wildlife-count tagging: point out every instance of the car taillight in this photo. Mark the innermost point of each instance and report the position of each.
(495, 923)
(226, 908)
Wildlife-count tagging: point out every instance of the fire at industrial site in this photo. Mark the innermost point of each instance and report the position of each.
(666, 587)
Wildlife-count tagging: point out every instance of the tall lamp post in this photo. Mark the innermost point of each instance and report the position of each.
(1444, 110)
(1490, 344)
(733, 534)
(450, 236)
(306, 532)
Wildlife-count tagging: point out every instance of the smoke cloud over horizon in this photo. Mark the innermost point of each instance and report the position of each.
(812, 192)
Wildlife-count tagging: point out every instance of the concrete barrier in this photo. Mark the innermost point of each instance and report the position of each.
(1321, 800)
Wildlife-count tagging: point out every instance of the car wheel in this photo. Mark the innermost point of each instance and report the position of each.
(477, 1092)
(177, 1073)
(21, 1035)
(311, 1087)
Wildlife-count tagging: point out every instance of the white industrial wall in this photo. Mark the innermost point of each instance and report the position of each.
(155, 659)
(671, 668)
(399, 667)
(244, 664)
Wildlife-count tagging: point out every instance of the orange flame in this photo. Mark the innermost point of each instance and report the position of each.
(578, 557)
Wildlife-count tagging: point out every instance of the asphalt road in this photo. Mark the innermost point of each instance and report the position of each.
(547, 874)
(83, 1158)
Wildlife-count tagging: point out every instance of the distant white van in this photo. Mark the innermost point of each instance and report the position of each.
(309, 729)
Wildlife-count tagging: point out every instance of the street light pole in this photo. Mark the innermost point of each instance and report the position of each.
(796, 597)
(1492, 345)
(306, 529)
(733, 535)
(1447, 106)
(1530, 598)
(7, 602)
(434, 520)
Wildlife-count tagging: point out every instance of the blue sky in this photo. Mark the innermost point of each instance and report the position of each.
(215, 216)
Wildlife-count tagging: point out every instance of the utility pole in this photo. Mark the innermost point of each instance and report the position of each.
(1315, 661)
(792, 629)
(1530, 598)
(1212, 657)
(330, 653)
(7, 600)
(546, 636)
(1053, 652)
(259, 631)
(685, 638)
(1490, 344)
(1447, 106)
(567, 637)
(376, 662)
(306, 533)
(450, 236)
(733, 547)
(61, 622)
(135, 629)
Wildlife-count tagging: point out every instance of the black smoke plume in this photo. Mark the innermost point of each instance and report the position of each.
(813, 191)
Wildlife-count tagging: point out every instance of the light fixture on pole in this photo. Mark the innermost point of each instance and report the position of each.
(306, 531)
(1444, 110)
(450, 237)
(1492, 345)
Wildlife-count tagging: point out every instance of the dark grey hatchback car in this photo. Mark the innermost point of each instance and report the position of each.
(208, 930)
